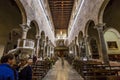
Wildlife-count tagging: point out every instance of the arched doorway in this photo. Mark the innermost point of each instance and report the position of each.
(11, 17)
(91, 32)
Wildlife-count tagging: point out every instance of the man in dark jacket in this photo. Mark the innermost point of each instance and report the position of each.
(6, 70)
(25, 70)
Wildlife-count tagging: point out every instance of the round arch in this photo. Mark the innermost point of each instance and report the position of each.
(91, 32)
(112, 30)
(47, 39)
(90, 23)
(33, 33)
(80, 36)
(22, 10)
(76, 39)
(36, 26)
(111, 14)
(43, 35)
(101, 11)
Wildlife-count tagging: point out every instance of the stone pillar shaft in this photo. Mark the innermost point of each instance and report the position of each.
(37, 46)
(75, 51)
(47, 51)
(86, 46)
(102, 43)
(44, 44)
(80, 49)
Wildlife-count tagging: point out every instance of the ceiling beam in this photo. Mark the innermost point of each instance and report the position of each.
(61, 12)
(59, 6)
(59, 15)
(58, 1)
(60, 9)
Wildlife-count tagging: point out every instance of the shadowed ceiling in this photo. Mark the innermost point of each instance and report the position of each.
(61, 11)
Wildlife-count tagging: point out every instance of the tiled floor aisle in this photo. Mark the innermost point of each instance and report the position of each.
(62, 73)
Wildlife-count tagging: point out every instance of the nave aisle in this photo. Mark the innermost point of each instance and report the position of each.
(59, 72)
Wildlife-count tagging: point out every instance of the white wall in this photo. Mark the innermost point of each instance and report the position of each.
(35, 12)
(112, 36)
(88, 11)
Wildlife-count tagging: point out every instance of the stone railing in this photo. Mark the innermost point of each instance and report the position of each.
(26, 43)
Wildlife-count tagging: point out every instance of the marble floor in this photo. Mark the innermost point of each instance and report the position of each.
(59, 72)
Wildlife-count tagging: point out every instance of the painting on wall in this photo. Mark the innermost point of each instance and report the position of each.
(112, 45)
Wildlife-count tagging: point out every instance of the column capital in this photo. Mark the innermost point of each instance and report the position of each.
(38, 36)
(100, 26)
(86, 36)
(25, 27)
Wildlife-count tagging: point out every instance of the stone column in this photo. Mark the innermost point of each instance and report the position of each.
(25, 29)
(75, 46)
(86, 46)
(105, 58)
(37, 46)
(69, 49)
(75, 50)
(50, 51)
(47, 50)
(80, 49)
(89, 51)
(41, 48)
(44, 44)
(72, 49)
(53, 53)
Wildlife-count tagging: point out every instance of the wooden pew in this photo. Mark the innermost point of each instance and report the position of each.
(40, 69)
(102, 78)
(93, 70)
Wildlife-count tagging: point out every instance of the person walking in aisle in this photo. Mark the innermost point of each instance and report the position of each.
(62, 62)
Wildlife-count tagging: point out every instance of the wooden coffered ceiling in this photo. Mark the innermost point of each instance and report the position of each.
(61, 11)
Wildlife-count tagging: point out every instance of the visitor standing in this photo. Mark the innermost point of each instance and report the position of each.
(6, 68)
(24, 70)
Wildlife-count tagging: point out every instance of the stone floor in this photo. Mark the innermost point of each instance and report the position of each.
(59, 72)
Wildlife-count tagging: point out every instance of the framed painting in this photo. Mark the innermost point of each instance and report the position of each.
(112, 45)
